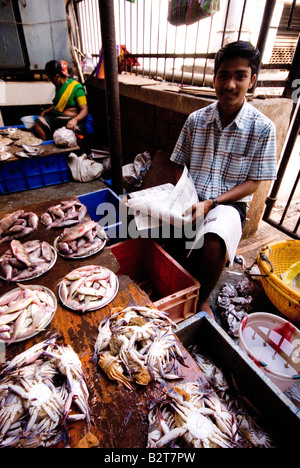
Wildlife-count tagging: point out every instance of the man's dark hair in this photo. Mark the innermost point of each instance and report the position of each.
(238, 49)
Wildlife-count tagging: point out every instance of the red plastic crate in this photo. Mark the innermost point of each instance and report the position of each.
(175, 289)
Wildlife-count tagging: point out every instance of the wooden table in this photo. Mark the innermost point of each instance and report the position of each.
(48, 150)
(119, 415)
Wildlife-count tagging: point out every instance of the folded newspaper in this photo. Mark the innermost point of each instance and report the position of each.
(169, 204)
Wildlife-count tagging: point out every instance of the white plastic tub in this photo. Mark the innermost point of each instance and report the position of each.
(274, 345)
(28, 121)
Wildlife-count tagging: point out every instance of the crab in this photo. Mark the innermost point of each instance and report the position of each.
(137, 343)
(113, 369)
(44, 403)
(185, 414)
(158, 356)
(37, 389)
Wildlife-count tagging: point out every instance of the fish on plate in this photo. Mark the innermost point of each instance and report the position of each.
(81, 240)
(65, 213)
(25, 261)
(25, 311)
(18, 224)
(88, 288)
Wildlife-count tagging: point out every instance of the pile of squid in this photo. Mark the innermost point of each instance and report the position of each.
(88, 288)
(65, 213)
(137, 345)
(81, 240)
(40, 390)
(25, 261)
(25, 311)
(17, 224)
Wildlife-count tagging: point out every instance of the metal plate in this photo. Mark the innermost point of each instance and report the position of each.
(50, 265)
(79, 257)
(105, 303)
(51, 294)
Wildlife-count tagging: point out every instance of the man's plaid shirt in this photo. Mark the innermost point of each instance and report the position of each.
(219, 159)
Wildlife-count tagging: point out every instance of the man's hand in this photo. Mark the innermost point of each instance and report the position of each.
(198, 211)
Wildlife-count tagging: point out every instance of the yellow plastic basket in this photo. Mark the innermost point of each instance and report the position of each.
(273, 260)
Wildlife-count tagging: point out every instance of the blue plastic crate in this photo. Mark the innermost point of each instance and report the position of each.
(35, 181)
(26, 174)
(55, 177)
(32, 167)
(103, 206)
(3, 187)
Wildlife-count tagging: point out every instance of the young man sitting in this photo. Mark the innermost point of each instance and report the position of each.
(229, 147)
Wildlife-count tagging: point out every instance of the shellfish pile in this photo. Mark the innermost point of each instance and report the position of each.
(39, 390)
(198, 417)
(137, 344)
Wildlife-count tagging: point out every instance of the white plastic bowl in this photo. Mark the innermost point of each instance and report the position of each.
(274, 345)
(28, 121)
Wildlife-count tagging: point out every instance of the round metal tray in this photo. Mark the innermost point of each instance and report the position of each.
(51, 294)
(105, 303)
(50, 265)
(78, 257)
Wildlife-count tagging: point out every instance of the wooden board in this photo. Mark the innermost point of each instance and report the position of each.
(48, 150)
(119, 415)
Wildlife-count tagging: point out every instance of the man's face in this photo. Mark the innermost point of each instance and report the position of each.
(232, 81)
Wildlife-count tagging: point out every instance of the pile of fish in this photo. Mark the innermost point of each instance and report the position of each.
(5, 148)
(25, 311)
(5, 141)
(40, 390)
(29, 151)
(88, 288)
(81, 240)
(137, 344)
(21, 137)
(64, 214)
(25, 261)
(18, 224)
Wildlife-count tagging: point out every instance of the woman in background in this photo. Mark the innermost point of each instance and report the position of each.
(69, 107)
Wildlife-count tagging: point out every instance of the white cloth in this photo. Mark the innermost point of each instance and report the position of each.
(224, 221)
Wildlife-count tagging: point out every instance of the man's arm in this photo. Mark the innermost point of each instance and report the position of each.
(236, 193)
(178, 170)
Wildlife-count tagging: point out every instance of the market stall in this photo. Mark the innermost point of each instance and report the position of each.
(119, 415)
(126, 404)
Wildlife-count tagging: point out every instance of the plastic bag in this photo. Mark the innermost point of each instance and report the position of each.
(87, 64)
(190, 11)
(65, 138)
(84, 169)
(134, 173)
